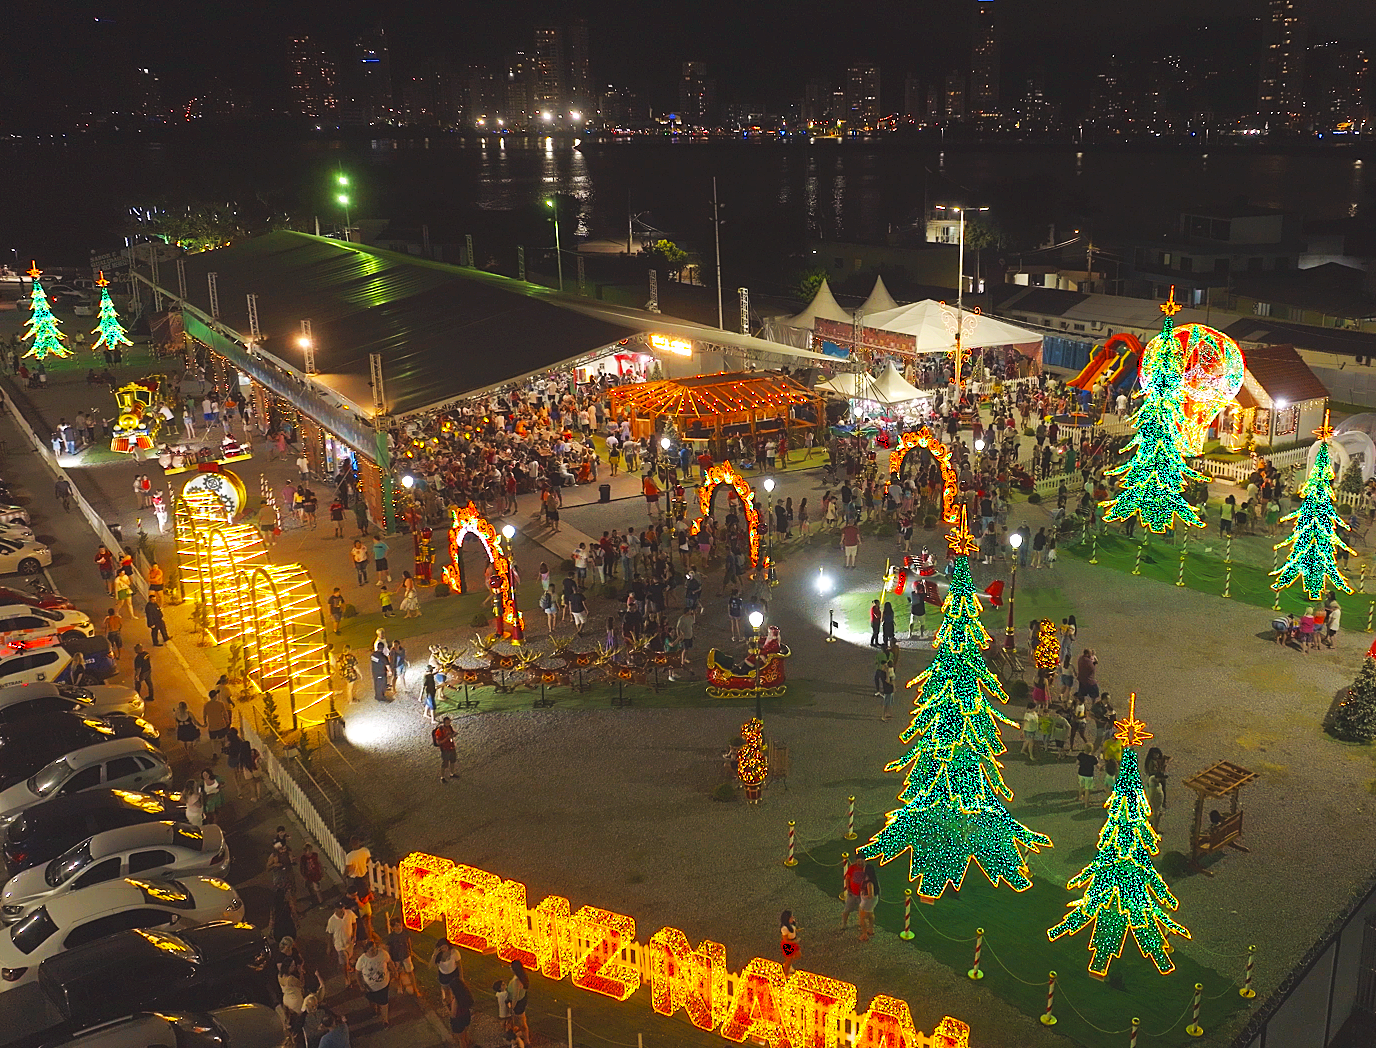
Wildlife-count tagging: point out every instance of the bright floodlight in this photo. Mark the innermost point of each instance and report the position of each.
(549, 203)
(979, 443)
(756, 620)
(664, 442)
(508, 532)
(343, 180)
(343, 198)
(823, 581)
(1280, 405)
(1015, 539)
(547, 117)
(768, 483)
(408, 481)
(576, 115)
(304, 342)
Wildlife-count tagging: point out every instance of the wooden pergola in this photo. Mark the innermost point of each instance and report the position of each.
(1223, 779)
(726, 406)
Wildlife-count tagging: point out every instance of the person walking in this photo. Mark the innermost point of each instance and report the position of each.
(215, 717)
(340, 928)
(380, 559)
(312, 872)
(460, 1012)
(789, 945)
(517, 988)
(853, 878)
(105, 564)
(850, 543)
(188, 727)
(399, 951)
(336, 604)
(112, 625)
(443, 736)
(359, 556)
(375, 975)
(124, 594)
(143, 672)
(876, 623)
(157, 624)
(869, 899)
(249, 760)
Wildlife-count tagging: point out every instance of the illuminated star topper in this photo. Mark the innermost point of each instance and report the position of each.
(1325, 431)
(960, 540)
(102, 282)
(34, 271)
(1171, 307)
(1132, 732)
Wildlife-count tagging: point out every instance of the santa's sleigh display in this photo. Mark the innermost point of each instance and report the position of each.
(761, 672)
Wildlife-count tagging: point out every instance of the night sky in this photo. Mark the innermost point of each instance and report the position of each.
(757, 51)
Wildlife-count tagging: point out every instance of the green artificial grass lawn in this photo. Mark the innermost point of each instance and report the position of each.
(1094, 1013)
(1207, 573)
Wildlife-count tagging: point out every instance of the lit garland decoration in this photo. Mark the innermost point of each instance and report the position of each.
(1047, 653)
(591, 946)
(952, 812)
(1154, 479)
(1316, 538)
(466, 520)
(108, 327)
(1123, 891)
(752, 762)
(724, 473)
(42, 325)
(925, 438)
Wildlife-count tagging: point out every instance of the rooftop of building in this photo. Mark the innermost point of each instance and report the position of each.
(1332, 289)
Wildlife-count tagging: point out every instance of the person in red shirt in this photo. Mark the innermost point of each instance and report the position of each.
(855, 887)
(443, 737)
(850, 544)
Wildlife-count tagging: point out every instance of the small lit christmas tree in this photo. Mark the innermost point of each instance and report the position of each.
(1352, 483)
(953, 801)
(1047, 653)
(1123, 891)
(1154, 479)
(1355, 718)
(42, 325)
(1315, 541)
(111, 333)
(752, 762)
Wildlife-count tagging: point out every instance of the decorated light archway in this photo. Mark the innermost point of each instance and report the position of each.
(926, 439)
(465, 521)
(725, 473)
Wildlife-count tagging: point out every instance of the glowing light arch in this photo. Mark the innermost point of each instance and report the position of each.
(285, 646)
(725, 473)
(925, 438)
(466, 520)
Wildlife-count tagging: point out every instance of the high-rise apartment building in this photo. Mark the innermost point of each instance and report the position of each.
(984, 61)
(1336, 90)
(550, 69)
(817, 101)
(862, 95)
(1280, 96)
(367, 81)
(912, 97)
(311, 78)
(520, 90)
(579, 75)
(955, 97)
(696, 95)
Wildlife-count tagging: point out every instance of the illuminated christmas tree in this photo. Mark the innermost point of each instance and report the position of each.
(1355, 718)
(1047, 653)
(752, 762)
(1154, 479)
(953, 801)
(1122, 891)
(111, 333)
(42, 325)
(1315, 541)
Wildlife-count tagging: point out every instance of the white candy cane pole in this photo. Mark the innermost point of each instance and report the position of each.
(907, 932)
(1048, 1019)
(1180, 579)
(790, 861)
(1247, 990)
(1194, 1029)
(850, 820)
(1228, 583)
(974, 972)
(1132, 1041)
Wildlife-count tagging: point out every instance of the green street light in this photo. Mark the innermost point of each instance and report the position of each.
(558, 251)
(343, 180)
(343, 199)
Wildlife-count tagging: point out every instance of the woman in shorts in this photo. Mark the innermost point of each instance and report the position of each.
(448, 969)
(399, 949)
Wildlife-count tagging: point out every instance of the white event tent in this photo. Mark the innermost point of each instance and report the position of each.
(932, 324)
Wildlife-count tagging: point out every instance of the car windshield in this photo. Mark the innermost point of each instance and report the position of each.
(167, 893)
(188, 836)
(33, 931)
(69, 863)
(48, 779)
(170, 943)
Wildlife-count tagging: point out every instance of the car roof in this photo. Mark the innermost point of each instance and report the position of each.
(28, 609)
(123, 893)
(137, 835)
(59, 813)
(24, 692)
(88, 755)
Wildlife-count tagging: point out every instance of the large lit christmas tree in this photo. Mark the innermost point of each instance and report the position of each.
(42, 325)
(1154, 479)
(953, 801)
(1315, 541)
(111, 333)
(1122, 891)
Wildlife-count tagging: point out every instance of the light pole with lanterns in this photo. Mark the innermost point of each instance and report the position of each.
(342, 180)
(517, 634)
(1009, 643)
(558, 251)
(769, 549)
(756, 621)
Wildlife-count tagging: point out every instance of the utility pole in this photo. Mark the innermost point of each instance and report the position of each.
(1089, 265)
(716, 234)
(630, 223)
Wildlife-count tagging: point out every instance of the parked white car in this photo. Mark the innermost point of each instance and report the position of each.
(101, 700)
(123, 764)
(238, 1026)
(22, 618)
(14, 515)
(131, 902)
(16, 530)
(161, 849)
(26, 557)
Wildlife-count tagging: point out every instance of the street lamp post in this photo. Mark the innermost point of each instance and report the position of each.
(756, 621)
(1009, 644)
(558, 251)
(343, 181)
(960, 282)
(518, 634)
(769, 549)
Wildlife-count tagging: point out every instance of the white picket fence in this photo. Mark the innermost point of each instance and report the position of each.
(296, 798)
(1239, 471)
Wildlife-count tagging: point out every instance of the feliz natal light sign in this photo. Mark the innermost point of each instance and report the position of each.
(597, 950)
(678, 346)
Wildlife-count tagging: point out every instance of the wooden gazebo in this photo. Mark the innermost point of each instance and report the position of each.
(1223, 779)
(731, 405)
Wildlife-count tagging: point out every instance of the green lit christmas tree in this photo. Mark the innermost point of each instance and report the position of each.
(1123, 892)
(1315, 541)
(953, 800)
(110, 331)
(1154, 478)
(42, 325)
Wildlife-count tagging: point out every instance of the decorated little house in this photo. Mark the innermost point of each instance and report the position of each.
(1280, 404)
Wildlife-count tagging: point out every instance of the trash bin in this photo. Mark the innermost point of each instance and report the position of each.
(604, 493)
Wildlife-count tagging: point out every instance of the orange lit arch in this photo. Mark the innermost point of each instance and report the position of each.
(725, 473)
(466, 520)
(925, 438)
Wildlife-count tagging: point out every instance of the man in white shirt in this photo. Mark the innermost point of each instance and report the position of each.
(375, 973)
(356, 865)
(1122, 404)
(340, 928)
